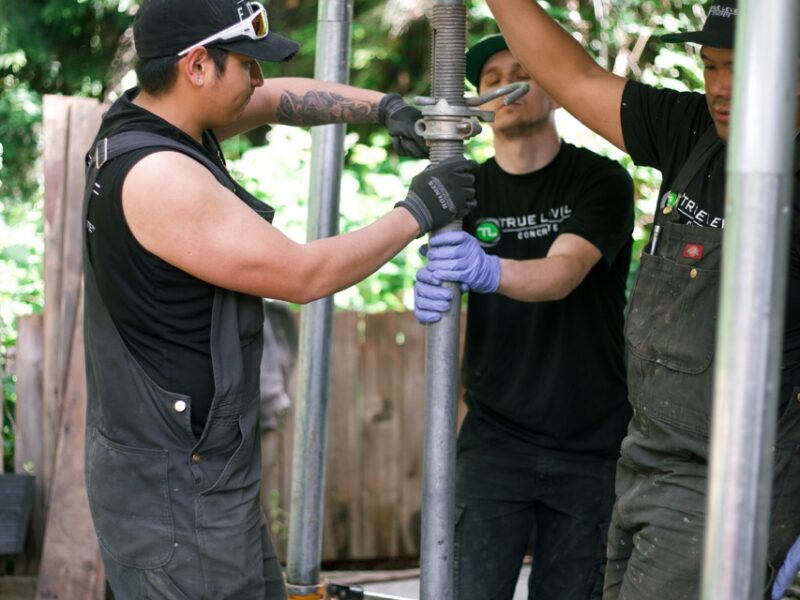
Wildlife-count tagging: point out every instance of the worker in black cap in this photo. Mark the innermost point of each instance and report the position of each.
(656, 535)
(177, 258)
(545, 255)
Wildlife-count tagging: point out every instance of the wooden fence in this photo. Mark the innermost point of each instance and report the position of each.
(375, 430)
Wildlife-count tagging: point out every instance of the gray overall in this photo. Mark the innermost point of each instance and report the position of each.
(655, 540)
(177, 517)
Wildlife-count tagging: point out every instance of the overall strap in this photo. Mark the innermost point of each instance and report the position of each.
(708, 144)
(111, 147)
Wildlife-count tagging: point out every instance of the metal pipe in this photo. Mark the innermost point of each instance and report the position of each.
(334, 24)
(438, 477)
(752, 298)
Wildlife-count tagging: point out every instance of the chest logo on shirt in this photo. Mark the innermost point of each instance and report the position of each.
(490, 230)
(693, 214)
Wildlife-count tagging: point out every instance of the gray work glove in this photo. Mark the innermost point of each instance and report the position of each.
(399, 118)
(441, 193)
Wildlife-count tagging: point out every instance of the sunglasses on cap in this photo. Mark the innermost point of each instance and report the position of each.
(255, 26)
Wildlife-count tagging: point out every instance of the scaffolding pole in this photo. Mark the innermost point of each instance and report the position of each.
(334, 23)
(752, 299)
(442, 340)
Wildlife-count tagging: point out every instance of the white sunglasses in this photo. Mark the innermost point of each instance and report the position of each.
(255, 26)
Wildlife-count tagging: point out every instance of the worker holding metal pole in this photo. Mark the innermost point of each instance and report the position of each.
(177, 258)
(545, 257)
(656, 536)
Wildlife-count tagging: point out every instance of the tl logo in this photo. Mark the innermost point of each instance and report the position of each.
(488, 232)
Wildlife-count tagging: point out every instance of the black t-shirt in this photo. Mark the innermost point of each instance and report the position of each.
(162, 313)
(660, 128)
(552, 373)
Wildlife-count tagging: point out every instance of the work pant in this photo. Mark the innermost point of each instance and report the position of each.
(655, 542)
(169, 582)
(509, 493)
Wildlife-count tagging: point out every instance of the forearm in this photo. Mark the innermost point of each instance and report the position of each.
(538, 280)
(305, 102)
(561, 66)
(548, 53)
(333, 264)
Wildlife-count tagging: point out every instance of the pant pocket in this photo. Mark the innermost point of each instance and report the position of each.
(129, 500)
(159, 586)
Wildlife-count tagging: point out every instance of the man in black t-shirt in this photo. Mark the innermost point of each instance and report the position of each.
(177, 258)
(657, 529)
(545, 256)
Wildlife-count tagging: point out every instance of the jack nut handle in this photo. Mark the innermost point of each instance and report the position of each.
(441, 193)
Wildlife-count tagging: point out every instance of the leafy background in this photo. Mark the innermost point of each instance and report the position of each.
(84, 48)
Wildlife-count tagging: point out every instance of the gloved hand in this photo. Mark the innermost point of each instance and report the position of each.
(788, 572)
(457, 256)
(431, 298)
(441, 193)
(399, 118)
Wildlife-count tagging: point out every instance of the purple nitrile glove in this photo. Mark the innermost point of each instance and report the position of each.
(457, 256)
(431, 298)
(788, 572)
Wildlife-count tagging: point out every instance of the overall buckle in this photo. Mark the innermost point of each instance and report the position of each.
(101, 153)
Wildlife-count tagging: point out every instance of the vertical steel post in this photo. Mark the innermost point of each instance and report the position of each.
(310, 443)
(438, 478)
(752, 298)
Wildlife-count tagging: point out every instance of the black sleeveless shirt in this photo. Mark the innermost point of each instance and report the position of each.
(162, 313)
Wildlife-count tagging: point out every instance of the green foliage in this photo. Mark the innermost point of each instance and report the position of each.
(83, 47)
(278, 516)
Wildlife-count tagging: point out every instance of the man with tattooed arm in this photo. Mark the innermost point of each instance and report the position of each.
(177, 257)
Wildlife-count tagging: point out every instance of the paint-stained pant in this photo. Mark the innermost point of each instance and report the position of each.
(655, 541)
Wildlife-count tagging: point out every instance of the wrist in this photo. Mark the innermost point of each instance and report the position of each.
(389, 104)
(407, 219)
(494, 268)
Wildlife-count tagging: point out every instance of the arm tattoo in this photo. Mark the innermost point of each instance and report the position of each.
(319, 108)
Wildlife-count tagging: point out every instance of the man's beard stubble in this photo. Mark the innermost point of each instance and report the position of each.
(522, 129)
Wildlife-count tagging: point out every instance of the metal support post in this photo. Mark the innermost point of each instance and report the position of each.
(438, 475)
(310, 443)
(446, 124)
(752, 297)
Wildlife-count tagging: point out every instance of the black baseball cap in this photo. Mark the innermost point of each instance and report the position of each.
(717, 31)
(166, 27)
(480, 53)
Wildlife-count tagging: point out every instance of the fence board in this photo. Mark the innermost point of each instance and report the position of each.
(56, 134)
(71, 566)
(70, 562)
(341, 525)
(380, 489)
(409, 456)
(28, 446)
